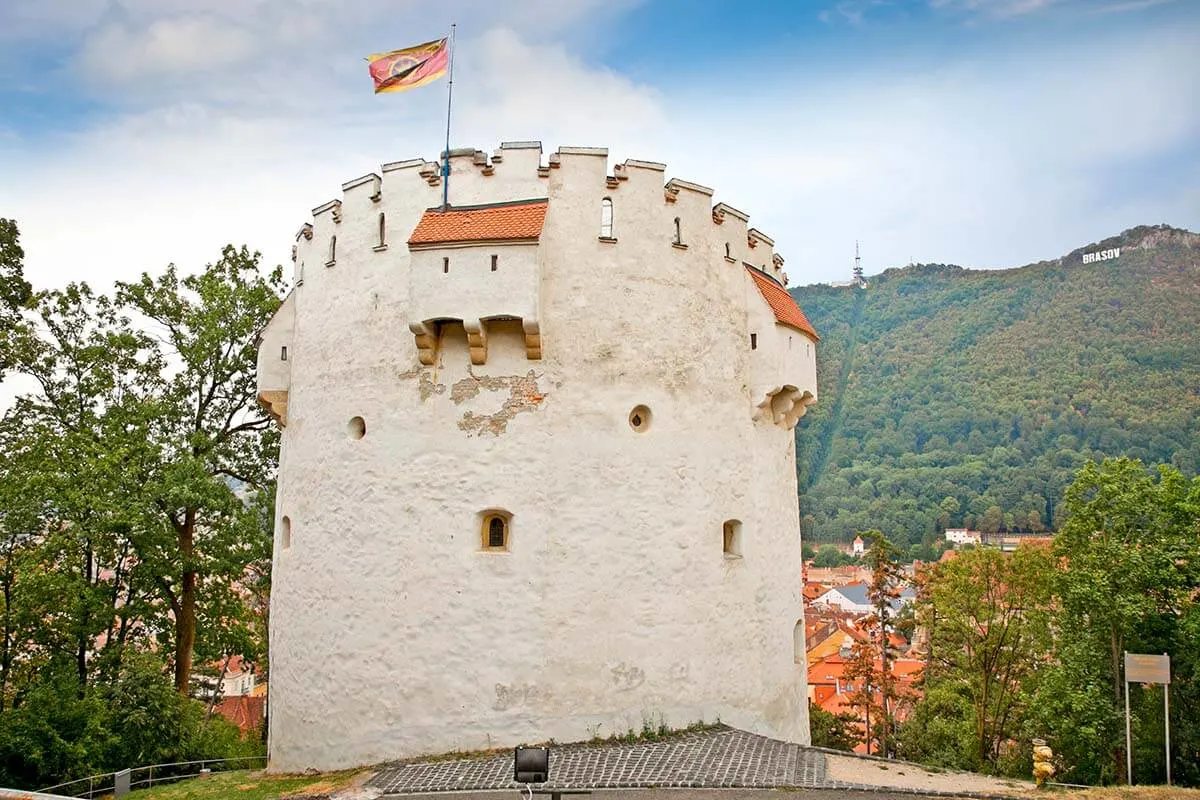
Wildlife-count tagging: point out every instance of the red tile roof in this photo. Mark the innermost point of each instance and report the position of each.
(244, 711)
(785, 308)
(521, 220)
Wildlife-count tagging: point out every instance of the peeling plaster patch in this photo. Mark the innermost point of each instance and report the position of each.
(626, 677)
(426, 387)
(518, 695)
(524, 395)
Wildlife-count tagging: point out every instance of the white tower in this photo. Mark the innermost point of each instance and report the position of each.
(537, 474)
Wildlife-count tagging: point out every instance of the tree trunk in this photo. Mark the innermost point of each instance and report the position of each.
(81, 639)
(212, 703)
(6, 655)
(185, 622)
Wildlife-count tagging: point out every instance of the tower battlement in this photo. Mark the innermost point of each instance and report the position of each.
(537, 461)
(517, 170)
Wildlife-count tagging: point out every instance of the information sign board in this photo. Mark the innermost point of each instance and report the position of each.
(1141, 668)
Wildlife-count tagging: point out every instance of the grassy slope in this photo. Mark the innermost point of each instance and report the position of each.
(250, 785)
(994, 386)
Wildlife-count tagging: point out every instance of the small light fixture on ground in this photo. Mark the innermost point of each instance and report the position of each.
(531, 764)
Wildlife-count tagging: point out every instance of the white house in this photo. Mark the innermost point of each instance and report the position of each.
(537, 470)
(852, 598)
(963, 536)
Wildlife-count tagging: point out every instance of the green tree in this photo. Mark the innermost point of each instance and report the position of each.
(829, 556)
(73, 448)
(939, 731)
(15, 291)
(871, 665)
(993, 520)
(988, 617)
(947, 510)
(209, 436)
(1132, 545)
(835, 731)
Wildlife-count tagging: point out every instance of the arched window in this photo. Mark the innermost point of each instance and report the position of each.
(798, 642)
(382, 231)
(606, 218)
(728, 251)
(332, 251)
(285, 533)
(678, 232)
(495, 530)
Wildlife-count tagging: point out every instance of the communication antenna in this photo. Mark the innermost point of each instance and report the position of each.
(858, 272)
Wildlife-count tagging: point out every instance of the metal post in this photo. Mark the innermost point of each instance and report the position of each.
(449, 100)
(1128, 739)
(1167, 726)
(121, 782)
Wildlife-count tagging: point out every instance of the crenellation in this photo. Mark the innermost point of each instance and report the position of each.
(334, 206)
(394, 166)
(650, 165)
(675, 184)
(754, 235)
(583, 151)
(721, 210)
(370, 180)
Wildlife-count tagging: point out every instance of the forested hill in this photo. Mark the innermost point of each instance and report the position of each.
(992, 387)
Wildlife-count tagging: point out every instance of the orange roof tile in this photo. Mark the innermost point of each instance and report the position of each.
(245, 712)
(785, 308)
(518, 220)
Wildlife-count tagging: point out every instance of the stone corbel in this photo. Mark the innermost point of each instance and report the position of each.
(426, 336)
(275, 403)
(306, 231)
(784, 406)
(337, 211)
(671, 193)
(476, 339)
(533, 339)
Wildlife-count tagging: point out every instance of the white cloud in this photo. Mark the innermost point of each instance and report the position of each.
(998, 8)
(186, 46)
(984, 162)
(851, 11)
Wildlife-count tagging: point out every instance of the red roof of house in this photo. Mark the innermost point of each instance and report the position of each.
(518, 220)
(785, 308)
(243, 710)
(814, 590)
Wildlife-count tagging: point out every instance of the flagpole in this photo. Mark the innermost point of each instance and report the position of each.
(449, 100)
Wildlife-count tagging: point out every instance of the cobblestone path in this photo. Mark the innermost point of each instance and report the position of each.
(723, 757)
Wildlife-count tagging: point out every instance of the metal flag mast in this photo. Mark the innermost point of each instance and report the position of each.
(449, 100)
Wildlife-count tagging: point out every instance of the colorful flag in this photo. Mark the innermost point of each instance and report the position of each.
(401, 70)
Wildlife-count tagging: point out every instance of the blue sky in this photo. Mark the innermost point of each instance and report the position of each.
(989, 133)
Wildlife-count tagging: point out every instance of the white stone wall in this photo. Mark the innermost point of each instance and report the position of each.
(392, 633)
(274, 369)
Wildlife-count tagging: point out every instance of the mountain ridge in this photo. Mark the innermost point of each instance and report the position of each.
(955, 396)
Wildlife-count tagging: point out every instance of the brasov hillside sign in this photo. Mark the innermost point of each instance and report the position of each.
(1101, 255)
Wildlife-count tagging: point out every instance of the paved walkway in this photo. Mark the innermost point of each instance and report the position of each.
(723, 757)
